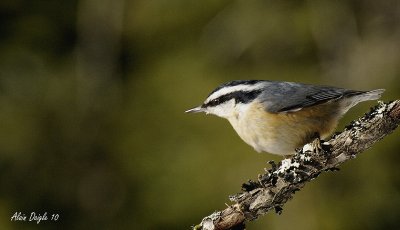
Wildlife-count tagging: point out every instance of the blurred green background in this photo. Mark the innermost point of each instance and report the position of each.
(92, 94)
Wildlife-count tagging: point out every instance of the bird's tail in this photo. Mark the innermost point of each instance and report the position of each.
(360, 96)
(369, 95)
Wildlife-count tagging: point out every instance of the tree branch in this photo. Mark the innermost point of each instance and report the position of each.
(278, 184)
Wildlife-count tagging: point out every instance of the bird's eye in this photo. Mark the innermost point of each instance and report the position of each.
(215, 101)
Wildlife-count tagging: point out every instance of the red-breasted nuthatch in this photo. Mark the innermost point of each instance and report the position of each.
(278, 117)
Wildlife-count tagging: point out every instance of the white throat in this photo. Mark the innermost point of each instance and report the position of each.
(224, 110)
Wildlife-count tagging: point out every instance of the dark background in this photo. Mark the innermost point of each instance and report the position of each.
(92, 94)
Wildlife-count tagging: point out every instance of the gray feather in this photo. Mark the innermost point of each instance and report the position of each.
(288, 96)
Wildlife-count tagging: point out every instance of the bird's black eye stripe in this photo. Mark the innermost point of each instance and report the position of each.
(214, 102)
(239, 96)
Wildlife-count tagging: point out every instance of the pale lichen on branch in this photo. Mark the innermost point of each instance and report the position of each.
(278, 184)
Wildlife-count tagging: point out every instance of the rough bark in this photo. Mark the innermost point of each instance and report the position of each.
(278, 184)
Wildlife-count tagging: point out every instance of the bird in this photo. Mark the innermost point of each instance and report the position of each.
(278, 117)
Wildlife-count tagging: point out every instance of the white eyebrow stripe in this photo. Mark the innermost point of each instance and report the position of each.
(231, 89)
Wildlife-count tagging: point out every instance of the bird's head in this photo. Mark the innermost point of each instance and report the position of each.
(229, 98)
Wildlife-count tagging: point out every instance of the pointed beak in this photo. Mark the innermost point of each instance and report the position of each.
(197, 109)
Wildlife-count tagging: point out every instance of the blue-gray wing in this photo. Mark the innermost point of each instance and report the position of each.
(288, 96)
